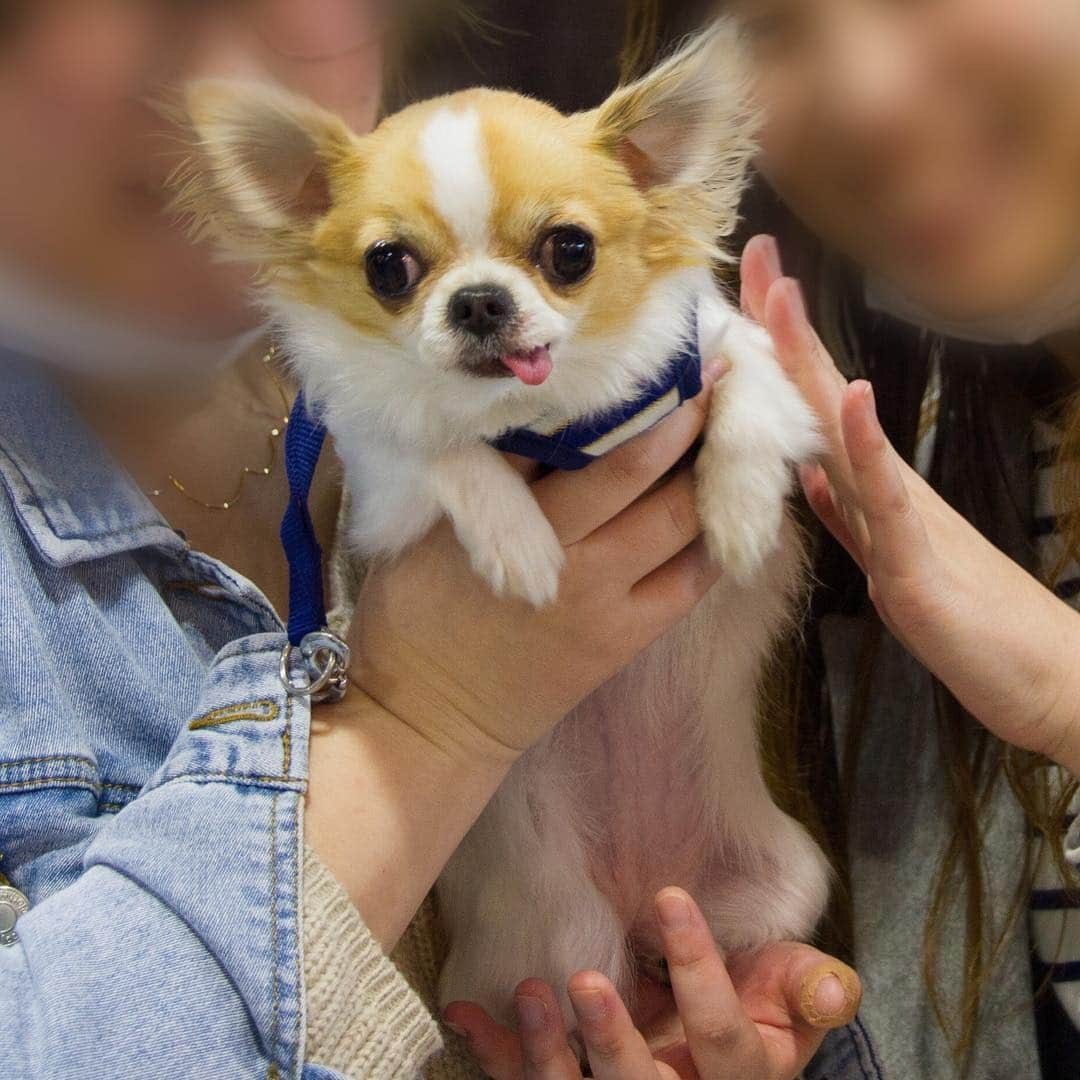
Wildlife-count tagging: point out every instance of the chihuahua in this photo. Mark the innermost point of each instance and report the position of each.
(482, 263)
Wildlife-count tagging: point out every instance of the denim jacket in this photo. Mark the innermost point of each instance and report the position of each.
(152, 773)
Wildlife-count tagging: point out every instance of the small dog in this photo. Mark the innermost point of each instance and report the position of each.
(482, 263)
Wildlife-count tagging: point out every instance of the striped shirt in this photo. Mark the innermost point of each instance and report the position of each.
(1054, 911)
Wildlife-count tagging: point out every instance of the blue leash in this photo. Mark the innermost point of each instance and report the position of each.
(325, 657)
(307, 603)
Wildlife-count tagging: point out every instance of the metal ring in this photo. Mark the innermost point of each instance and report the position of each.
(326, 661)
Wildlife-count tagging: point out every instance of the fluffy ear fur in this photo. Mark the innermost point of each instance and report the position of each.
(260, 174)
(688, 123)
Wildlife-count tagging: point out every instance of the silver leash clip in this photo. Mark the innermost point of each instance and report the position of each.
(325, 678)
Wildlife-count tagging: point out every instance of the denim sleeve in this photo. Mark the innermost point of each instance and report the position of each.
(176, 952)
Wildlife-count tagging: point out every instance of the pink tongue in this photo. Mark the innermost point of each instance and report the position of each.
(533, 368)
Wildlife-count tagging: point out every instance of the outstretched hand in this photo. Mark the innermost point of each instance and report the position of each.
(1001, 641)
(760, 1017)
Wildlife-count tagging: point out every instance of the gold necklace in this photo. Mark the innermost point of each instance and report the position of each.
(274, 438)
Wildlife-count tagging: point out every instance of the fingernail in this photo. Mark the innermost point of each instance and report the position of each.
(830, 996)
(673, 911)
(715, 370)
(868, 395)
(531, 1012)
(459, 1031)
(588, 1004)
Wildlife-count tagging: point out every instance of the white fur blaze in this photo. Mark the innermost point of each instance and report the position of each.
(452, 149)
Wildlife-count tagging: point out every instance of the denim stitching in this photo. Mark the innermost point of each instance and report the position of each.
(275, 985)
(46, 760)
(297, 932)
(264, 711)
(52, 781)
(286, 739)
(286, 783)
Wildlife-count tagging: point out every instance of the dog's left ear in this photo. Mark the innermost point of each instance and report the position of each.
(260, 175)
(688, 122)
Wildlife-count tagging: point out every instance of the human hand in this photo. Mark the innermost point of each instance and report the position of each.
(480, 675)
(761, 1017)
(1002, 642)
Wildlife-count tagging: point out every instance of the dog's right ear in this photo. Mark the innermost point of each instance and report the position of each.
(261, 169)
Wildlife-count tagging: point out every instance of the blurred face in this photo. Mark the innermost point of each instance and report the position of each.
(84, 156)
(936, 142)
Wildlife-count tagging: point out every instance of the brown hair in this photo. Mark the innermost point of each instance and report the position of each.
(985, 412)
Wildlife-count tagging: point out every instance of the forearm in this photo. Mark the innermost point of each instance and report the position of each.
(387, 807)
(1011, 660)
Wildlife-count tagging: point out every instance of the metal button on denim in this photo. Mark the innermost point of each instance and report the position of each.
(12, 905)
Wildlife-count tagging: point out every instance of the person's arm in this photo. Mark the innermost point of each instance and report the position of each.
(1004, 644)
(455, 683)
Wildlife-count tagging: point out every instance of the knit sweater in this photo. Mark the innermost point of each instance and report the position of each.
(370, 1017)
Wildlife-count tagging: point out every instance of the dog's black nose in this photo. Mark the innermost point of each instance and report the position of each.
(482, 310)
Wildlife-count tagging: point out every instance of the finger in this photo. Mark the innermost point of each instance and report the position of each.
(809, 366)
(651, 531)
(795, 995)
(497, 1049)
(577, 504)
(759, 269)
(545, 1051)
(818, 492)
(679, 585)
(724, 1043)
(897, 534)
(616, 1049)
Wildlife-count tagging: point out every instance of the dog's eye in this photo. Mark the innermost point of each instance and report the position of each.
(567, 255)
(393, 270)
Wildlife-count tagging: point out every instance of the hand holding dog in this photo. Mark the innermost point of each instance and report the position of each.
(1002, 642)
(455, 683)
(761, 1017)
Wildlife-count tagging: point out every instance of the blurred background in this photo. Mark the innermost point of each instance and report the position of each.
(564, 51)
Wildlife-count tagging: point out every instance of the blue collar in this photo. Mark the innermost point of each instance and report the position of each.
(573, 446)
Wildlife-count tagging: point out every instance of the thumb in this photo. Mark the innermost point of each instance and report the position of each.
(790, 984)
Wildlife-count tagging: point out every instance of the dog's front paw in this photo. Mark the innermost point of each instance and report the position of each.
(510, 542)
(522, 559)
(741, 505)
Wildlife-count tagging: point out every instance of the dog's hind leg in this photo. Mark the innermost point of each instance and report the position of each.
(518, 902)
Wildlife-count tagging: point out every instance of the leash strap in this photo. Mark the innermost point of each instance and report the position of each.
(307, 603)
(325, 657)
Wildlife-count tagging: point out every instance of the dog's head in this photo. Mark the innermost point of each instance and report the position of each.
(482, 240)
